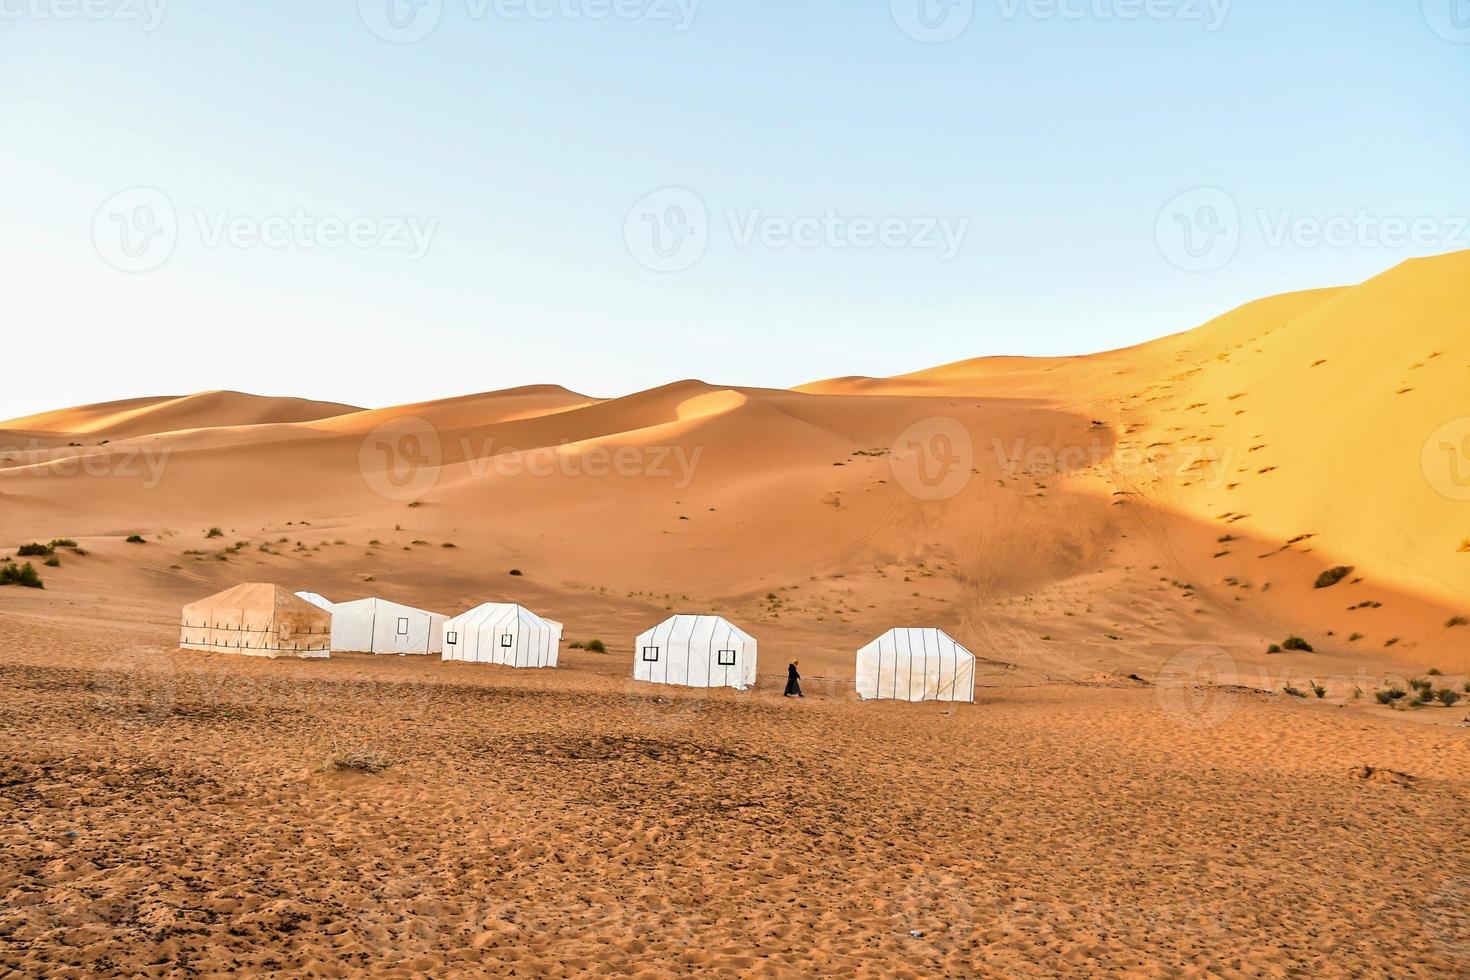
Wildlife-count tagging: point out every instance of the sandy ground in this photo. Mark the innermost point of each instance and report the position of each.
(164, 814)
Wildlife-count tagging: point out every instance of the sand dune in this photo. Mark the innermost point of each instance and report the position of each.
(1242, 458)
(145, 416)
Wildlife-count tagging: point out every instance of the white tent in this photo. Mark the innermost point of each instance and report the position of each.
(379, 626)
(502, 633)
(696, 651)
(321, 602)
(916, 665)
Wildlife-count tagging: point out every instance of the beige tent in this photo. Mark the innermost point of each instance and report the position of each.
(257, 620)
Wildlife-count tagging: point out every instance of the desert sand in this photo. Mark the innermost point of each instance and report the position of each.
(1121, 537)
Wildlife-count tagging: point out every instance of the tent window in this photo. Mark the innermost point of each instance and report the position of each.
(506, 640)
(727, 658)
(650, 654)
(452, 639)
(402, 626)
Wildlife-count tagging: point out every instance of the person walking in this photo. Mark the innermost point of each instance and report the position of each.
(793, 681)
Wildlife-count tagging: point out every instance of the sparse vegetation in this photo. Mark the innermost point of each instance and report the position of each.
(449, 544)
(1274, 648)
(62, 543)
(1389, 695)
(52, 562)
(1332, 576)
(595, 645)
(1318, 690)
(516, 572)
(1457, 621)
(1297, 643)
(23, 575)
(356, 760)
(214, 532)
(1294, 692)
(1447, 696)
(135, 539)
(33, 550)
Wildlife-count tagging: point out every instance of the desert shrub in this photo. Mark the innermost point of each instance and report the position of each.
(415, 503)
(596, 646)
(1274, 648)
(136, 539)
(1355, 637)
(1447, 697)
(1319, 690)
(62, 543)
(1435, 672)
(574, 645)
(1422, 685)
(214, 532)
(1389, 695)
(1332, 576)
(355, 760)
(34, 550)
(52, 562)
(1457, 621)
(23, 575)
(1297, 643)
(1294, 692)
(516, 572)
(449, 544)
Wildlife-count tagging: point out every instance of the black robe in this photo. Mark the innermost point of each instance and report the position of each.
(793, 681)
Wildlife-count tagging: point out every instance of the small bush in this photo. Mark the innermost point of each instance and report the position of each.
(1332, 576)
(1297, 643)
(62, 543)
(1447, 697)
(214, 532)
(1457, 621)
(449, 544)
(1422, 685)
(34, 550)
(52, 562)
(1274, 648)
(356, 760)
(1319, 690)
(516, 572)
(136, 539)
(596, 646)
(1390, 694)
(1293, 692)
(23, 575)
(1435, 672)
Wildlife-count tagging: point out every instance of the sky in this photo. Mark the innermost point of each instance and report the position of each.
(386, 201)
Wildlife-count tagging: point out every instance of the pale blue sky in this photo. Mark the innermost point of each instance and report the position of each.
(518, 145)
